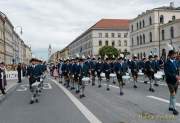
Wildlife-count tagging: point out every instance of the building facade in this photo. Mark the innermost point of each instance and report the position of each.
(170, 34)
(12, 47)
(145, 30)
(2, 39)
(106, 32)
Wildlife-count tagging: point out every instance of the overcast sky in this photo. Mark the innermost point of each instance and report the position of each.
(58, 22)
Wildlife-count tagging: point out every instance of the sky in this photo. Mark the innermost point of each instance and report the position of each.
(59, 22)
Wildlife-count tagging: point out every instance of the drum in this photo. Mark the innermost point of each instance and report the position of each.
(86, 80)
(140, 73)
(112, 75)
(126, 77)
(103, 75)
(158, 76)
(161, 73)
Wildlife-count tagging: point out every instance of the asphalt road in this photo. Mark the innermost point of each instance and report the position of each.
(60, 105)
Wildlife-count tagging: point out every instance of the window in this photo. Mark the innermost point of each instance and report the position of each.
(119, 43)
(113, 43)
(106, 43)
(172, 32)
(100, 43)
(132, 28)
(112, 35)
(106, 35)
(119, 35)
(143, 23)
(161, 19)
(125, 35)
(140, 24)
(132, 42)
(150, 36)
(140, 39)
(141, 55)
(144, 39)
(150, 20)
(173, 18)
(137, 25)
(100, 35)
(125, 42)
(162, 34)
(137, 40)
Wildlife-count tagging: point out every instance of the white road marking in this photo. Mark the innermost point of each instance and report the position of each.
(162, 100)
(24, 87)
(84, 110)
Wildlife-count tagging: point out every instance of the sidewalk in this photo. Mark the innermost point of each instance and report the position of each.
(10, 85)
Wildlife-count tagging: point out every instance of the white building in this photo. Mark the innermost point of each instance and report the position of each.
(145, 30)
(109, 32)
(170, 34)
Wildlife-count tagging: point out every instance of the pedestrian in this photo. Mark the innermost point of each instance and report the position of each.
(134, 70)
(55, 72)
(2, 81)
(172, 80)
(19, 68)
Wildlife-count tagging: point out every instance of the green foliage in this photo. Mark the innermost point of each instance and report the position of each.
(109, 51)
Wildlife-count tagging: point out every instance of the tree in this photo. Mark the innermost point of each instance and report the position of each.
(109, 51)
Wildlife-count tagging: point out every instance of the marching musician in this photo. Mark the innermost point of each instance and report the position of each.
(107, 71)
(172, 80)
(118, 68)
(150, 67)
(77, 74)
(156, 67)
(134, 70)
(92, 70)
(99, 67)
(2, 78)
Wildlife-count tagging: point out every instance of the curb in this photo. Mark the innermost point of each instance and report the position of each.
(8, 93)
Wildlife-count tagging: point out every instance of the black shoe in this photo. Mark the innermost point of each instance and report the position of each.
(121, 93)
(99, 86)
(171, 109)
(83, 95)
(114, 83)
(135, 86)
(93, 84)
(145, 82)
(3, 92)
(123, 84)
(107, 89)
(77, 91)
(72, 88)
(151, 90)
(37, 100)
(156, 85)
(31, 102)
(175, 112)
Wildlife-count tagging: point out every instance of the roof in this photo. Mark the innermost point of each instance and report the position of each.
(167, 8)
(112, 24)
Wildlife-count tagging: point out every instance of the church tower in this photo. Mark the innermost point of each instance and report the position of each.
(49, 51)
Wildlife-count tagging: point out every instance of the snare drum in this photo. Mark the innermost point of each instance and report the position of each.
(103, 75)
(158, 76)
(86, 80)
(112, 75)
(125, 77)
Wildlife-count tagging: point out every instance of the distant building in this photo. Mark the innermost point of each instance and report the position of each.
(106, 32)
(145, 30)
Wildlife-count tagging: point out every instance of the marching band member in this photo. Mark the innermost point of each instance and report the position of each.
(150, 72)
(142, 65)
(77, 74)
(156, 67)
(99, 67)
(92, 70)
(134, 70)
(172, 79)
(118, 68)
(71, 73)
(107, 71)
(84, 73)
(65, 71)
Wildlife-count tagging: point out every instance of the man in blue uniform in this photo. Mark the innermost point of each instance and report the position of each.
(99, 67)
(156, 67)
(172, 79)
(150, 67)
(107, 71)
(134, 70)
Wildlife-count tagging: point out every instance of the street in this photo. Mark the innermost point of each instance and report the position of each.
(58, 105)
